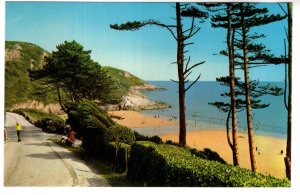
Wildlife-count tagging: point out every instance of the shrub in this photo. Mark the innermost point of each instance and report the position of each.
(140, 137)
(168, 165)
(119, 133)
(118, 157)
(46, 121)
(205, 154)
(90, 122)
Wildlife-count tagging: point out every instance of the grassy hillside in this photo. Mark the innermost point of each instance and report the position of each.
(21, 56)
(124, 79)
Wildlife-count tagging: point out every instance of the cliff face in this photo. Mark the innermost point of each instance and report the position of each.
(20, 92)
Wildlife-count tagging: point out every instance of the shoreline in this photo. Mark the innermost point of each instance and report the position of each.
(268, 155)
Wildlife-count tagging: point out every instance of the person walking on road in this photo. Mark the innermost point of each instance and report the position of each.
(19, 129)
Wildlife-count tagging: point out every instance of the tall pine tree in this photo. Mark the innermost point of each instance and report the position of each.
(181, 36)
(252, 55)
(224, 18)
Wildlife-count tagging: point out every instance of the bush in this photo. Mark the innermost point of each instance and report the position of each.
(168, 165)
(119, 160)
(140, 137)
(205, 154)
(90, 123)
(46, 121)
(119, 133)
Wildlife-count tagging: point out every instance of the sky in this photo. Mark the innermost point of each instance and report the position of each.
(147, 53)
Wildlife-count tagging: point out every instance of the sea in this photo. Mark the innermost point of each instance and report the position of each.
(270, 121)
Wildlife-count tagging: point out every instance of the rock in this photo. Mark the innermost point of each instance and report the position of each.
(137, 101)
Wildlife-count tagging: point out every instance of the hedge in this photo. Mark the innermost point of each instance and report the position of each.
(90, 122)
(46, 121)
(169, 165)
(140, 137)
(120, 161)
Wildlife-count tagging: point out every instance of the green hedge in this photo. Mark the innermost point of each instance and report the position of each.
(34, 116)
(90, 122)
(140, 137)
(119, 133)
(120, 161)
(48, 122)
(169, 165)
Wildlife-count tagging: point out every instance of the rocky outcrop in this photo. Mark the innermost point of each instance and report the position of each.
(147, 87)
(135, 100)
(49, 108)
(13, 54)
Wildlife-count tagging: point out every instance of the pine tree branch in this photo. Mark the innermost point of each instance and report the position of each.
(195, 65)
(282, 9)
(193, 83)
(174, 81)
(187, 63)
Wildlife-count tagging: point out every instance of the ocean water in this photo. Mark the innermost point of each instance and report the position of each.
(270, 121)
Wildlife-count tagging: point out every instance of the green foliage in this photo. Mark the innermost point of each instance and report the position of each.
(207, 153)
(169, 165)
(90, 122)
(48, 122)
(119, 133)
(123, 79)
(36, 117)
(71, 68)
(118, 155)
(256, 91)
(18, 87)
(154, 139)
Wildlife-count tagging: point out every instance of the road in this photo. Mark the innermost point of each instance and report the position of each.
(37, 161)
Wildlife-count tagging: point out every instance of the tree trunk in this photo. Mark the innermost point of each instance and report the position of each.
(227, 131)
(60, 101)
(247, 91)
(235, 152)
(180, 60)
(288, 157)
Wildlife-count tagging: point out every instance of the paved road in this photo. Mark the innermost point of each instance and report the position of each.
(37, 161)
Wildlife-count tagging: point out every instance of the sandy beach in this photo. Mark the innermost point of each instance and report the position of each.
(134, 119)
(268, 157)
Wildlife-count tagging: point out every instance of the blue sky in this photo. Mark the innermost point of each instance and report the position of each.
(147, 53)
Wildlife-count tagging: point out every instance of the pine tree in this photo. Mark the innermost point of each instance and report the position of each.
(181, 36)
(70, 69)
(224, 18)
(252, 55)
(288, 158)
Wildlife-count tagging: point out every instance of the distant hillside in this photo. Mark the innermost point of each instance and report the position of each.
(124, 79)
(21, 56)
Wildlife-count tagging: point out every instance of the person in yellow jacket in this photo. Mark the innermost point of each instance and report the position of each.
(19, 130)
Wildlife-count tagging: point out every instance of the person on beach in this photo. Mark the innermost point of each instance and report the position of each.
(19, 129)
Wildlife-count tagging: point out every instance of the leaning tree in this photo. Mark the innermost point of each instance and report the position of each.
(71, 70)
(182, 36)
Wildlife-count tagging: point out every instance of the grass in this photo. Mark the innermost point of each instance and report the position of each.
(101, 166)
(124, 83)
(18, 86)
(34, 115)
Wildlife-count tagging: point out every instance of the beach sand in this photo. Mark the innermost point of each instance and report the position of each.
(134, 119)
(268, 157)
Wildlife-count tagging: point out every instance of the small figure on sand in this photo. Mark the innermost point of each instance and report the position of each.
(281, 152)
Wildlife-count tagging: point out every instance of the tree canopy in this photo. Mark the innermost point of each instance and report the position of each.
(72, 70)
